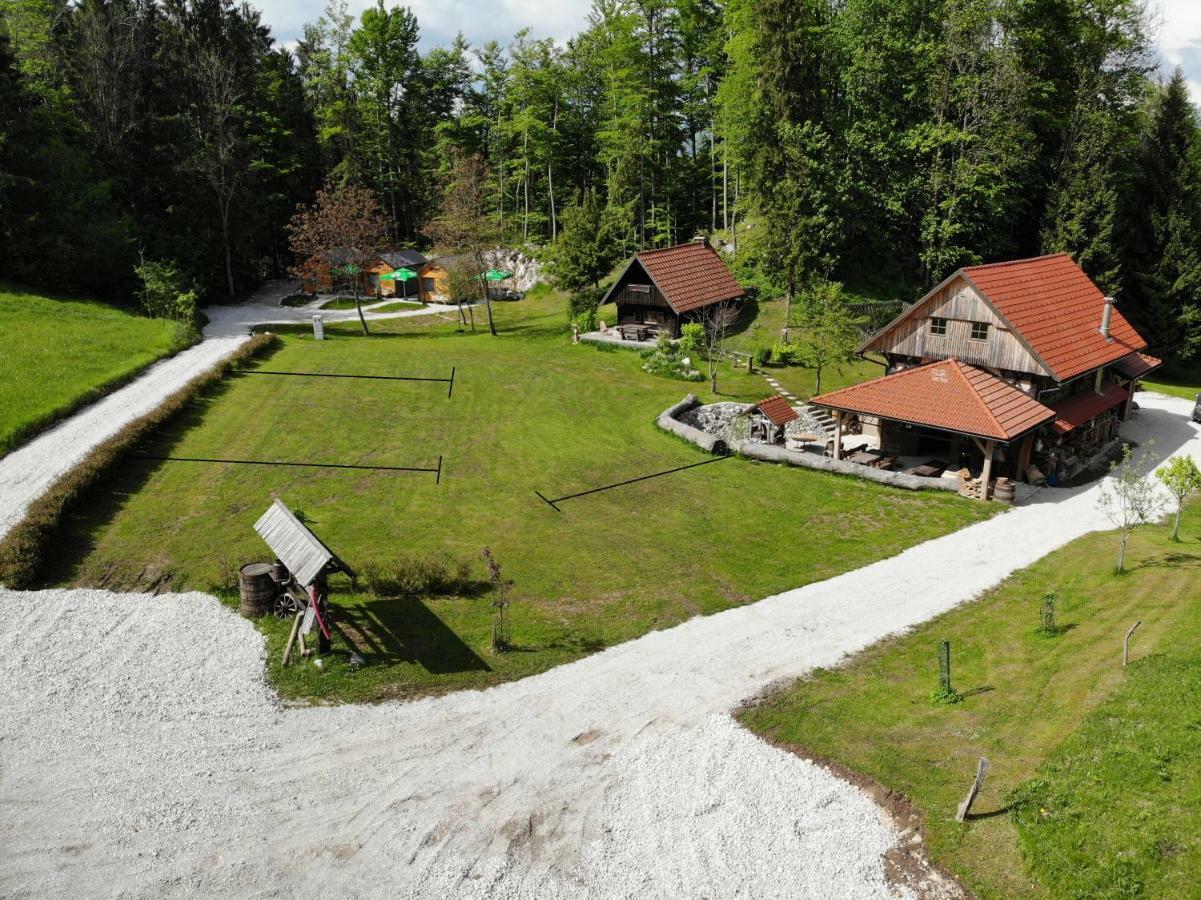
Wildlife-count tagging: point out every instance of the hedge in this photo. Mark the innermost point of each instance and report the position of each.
(23, 549)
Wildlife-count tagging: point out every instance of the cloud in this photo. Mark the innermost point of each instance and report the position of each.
(1180, 39)
(440, 20)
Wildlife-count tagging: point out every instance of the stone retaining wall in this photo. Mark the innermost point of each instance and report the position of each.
(669, 421)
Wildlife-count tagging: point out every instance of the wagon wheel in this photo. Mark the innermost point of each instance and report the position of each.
(286, 605)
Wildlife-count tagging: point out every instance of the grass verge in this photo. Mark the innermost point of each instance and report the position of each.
(57, 355)
(23, 549)
(1094, 787)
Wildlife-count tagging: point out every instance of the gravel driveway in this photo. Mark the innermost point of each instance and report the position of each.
(142, 754)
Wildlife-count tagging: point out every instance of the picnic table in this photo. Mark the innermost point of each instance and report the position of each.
(865, 457)
(634, 332)
(931, 469)
(803, 439)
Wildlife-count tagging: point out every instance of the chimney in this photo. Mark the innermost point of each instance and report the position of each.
(1106, 315)
(700, 239)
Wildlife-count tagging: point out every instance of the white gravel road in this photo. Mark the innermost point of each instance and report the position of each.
(141, 753)
(28, 471)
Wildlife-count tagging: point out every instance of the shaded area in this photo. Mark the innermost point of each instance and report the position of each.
(396, 630)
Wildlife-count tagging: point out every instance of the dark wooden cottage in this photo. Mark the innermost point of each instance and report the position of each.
(663, 289)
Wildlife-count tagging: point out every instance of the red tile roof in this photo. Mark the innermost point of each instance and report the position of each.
(1056, 309)
(690, 276)
(948, 395)
(1075, 411)
(1136, 365)
(777, 409)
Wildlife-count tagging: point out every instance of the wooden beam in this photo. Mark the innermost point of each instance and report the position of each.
(838, 434)
(986, 475)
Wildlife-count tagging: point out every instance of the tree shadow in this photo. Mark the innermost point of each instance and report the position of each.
(406, 630)
(1172, 560)
(976, 691)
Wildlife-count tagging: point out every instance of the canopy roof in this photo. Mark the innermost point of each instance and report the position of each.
(296, 546)
(948, 395)
(1136, 365)
(1075, 411)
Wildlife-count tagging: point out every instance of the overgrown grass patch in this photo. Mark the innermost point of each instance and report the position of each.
(57, 355)
(1093, 789)
(530, 412)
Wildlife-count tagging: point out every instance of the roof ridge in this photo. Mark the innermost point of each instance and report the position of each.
(1014, 262)
(960, 365)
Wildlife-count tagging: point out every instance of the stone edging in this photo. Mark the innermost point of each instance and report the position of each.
(669, 421)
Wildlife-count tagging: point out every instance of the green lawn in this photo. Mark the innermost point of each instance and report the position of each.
(57, 354)
(530, 412)
(398, 306)
(1095, 785)
(1177, 379)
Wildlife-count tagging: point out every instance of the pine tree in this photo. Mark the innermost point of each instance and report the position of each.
(1164, 265)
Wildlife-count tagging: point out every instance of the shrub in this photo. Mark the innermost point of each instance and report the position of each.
(165, 293)
(22, 551)
(418, 576)
(692, 338)
(787, 354)
(763, 356)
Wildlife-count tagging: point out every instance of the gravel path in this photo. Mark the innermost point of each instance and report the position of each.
(141, 753)
(28, 471)
(226, 321)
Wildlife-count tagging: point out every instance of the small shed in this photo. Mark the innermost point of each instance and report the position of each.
(307, 558)
(769, 417)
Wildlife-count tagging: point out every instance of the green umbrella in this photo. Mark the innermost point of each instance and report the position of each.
(497, 275)
(405, 275)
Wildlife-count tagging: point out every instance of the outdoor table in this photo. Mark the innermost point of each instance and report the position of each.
(865, 457)
(926, 471)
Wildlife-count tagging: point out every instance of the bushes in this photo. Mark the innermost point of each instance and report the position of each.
(667, 360)
(22, 551)
(692, 339)
(787, 354)
(419, 576)
(763, 356)
(166, 295)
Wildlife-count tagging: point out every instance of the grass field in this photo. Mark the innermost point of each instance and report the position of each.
(529, 412)
(1095, 785)
(1177, 379)
(57, 354)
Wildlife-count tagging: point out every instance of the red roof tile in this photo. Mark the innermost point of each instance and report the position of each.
(1136, 365)
(948, 395)
(690, 275)
(1056, 309)
(777, 409)
(1075, 411)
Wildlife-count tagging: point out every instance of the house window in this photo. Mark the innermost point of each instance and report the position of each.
(428, 286)
(979, 331)
(938, 326)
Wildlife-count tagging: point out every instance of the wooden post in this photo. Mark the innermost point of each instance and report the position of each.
(986, 475)
(944, 667)
(838, 434)
(1126, 642)
(978, 782)
(292, 638)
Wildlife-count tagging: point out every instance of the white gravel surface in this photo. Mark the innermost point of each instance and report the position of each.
(141, 754)
(226, 321)
(28, 471)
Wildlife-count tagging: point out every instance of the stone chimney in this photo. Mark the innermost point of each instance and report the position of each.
(701, 239)
(1106, 316)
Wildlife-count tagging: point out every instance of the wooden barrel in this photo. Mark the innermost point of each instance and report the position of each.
(279, 572)
(1003, 492)
(257, 588)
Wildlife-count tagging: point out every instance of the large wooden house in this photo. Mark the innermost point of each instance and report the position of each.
(663, 289)
(1022, 369)
(326, 272)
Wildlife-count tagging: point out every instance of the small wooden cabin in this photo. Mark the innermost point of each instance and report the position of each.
(664, 289)
(370, 282)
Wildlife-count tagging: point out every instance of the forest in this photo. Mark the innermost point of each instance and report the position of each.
(876, 143)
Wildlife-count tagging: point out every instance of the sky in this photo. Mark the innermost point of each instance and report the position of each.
(483, 20)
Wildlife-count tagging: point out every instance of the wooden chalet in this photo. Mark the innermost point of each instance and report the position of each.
(323, 280)
(661, 290)
(1020, 369)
